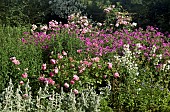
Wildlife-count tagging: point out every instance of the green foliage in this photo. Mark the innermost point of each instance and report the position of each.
(11, 46)
(94, 9)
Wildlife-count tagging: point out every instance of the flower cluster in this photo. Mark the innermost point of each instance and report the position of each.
(128, 61)
(81, 22)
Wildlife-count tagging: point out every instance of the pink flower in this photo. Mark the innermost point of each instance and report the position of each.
(89, 64)
(41, 78)
(45, 80)
(66, 25)
(154, 55)
(75, 91)
(44, 66)
(56, 70)
(109, 65)
(105, 76)
(50, 81)
(116, 75)
(85, 62)
(16, 62)
(60, 56)
(21, 82)
(75, 77)
(66, 85)
(64, 53)
(79, 51)
(53, 61)
(44, 27)
(25, 96)
(80, 71)
(72, 81)
(51, 74)
(96, 59)
(25, 75)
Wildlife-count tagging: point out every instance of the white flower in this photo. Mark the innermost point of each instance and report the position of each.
(99, 24)
(45, 27)
(113, 6)
(139, 45)
(168, 61)
(117, 25)
(134, 24)
(34, 27)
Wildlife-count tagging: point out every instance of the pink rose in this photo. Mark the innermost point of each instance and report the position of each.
(60, 56)
(85, 62)
(116, 75)
(75, 77)
(16, 62)
(105, 76)
(51, 74)
(41, 78)
(50, 81)
(64, 53)
(96, 59)
(72, 82)
(66, 85)
(25, 75)
(44, 66)
(109, 65)
(46, 80)
(56, 70)
(21, 82)
(89, 64)
(53, 61)
(75, 91)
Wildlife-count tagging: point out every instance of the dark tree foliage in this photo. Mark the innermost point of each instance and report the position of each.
(149, 12)
(22, 12)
